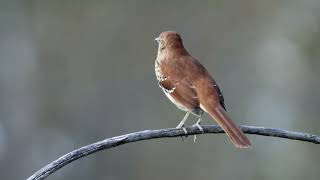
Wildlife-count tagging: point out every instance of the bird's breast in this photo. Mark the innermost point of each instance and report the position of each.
(158, 71)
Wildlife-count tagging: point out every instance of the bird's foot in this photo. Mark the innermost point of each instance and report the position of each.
(197, 124)
(181, 126)
(185, 131)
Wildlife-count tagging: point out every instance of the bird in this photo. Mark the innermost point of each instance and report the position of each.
(188, 85)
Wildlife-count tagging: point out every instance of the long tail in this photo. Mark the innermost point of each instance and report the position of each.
(235, 134)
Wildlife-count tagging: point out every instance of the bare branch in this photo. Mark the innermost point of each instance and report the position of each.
(161, 133)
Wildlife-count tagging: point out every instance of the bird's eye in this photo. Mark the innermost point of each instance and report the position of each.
(157, 40)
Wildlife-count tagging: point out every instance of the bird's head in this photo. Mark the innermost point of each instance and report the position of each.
(169, 39)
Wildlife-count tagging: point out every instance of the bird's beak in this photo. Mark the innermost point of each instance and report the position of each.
(157, 39)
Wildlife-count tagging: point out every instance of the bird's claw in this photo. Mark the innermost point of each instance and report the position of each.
(184, 129)
(200, 129)
(181, 126)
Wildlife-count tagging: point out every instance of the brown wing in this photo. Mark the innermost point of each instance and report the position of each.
(182, 92)
(221, 98)
(198, 66)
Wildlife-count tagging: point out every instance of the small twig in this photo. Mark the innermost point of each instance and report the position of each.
(161, 133)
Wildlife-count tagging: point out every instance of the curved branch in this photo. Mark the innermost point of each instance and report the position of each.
(161, 133)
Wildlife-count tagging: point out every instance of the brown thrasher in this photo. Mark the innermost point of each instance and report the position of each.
(191, 88)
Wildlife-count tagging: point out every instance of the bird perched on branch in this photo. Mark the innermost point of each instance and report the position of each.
(191, 88)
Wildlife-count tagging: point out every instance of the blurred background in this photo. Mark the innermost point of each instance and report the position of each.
(75, 72)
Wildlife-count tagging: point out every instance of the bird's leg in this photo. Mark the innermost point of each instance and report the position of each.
(197, 124)
(181, 124)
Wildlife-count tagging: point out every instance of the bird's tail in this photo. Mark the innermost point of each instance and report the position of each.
(235, 134)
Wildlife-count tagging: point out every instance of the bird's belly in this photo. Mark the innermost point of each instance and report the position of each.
(178, 104)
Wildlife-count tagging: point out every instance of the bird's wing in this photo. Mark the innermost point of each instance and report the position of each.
(181, 91)
(196, 64)
(221, 98)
